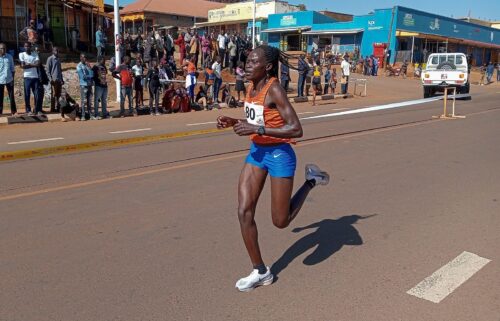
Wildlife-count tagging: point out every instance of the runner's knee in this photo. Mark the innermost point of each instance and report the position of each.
(245, 215)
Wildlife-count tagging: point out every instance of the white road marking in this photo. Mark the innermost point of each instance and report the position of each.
(374, 108)
(448, 278)
(197, 124)
(306, 112)
(131, 131)
(338, 109)
(35, 141)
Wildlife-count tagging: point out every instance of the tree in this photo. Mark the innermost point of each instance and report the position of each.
(302, 7)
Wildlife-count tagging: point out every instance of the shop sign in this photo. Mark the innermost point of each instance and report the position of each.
(288, 21)
(371, 25)
(455, 29)
(434, 24)
(409, 20)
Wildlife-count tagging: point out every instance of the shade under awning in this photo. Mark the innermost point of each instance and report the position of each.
(222, 23)
(290, 29)
(334, 32)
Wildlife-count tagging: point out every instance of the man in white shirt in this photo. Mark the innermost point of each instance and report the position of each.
(216, 67)
(345, 66)
(222, 48)
(30, 63)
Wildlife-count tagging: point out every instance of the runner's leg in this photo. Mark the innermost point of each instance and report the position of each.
(250, 186)
(285, 208)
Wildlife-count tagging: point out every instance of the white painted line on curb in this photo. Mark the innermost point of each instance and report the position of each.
(131, 131)
(374, 108)
(448, 278)
(196, 124)
(35, 141)
(306, 112)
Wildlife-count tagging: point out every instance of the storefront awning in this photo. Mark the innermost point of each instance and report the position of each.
(290, 29)
(334, 32)
(222, 23)
(401, 33)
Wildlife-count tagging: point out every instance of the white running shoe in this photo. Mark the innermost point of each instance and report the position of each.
(254, 280)
(314, 172)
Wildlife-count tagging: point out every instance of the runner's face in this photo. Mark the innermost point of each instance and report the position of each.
(2, 50)
(256, 66)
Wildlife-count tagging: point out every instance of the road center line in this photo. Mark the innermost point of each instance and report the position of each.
(339, 109)
(208, 122)
(34, 141)
(131, 131)
(448, 278)
(306, 112)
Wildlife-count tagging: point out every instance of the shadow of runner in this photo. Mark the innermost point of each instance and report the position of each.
(329, 237)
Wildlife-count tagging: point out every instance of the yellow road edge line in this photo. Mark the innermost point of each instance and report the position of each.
(63, 149)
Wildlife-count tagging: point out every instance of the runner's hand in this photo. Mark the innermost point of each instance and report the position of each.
(245, 129)
(225, 122)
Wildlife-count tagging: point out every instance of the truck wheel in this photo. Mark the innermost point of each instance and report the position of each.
(446, 65)
(427, 92)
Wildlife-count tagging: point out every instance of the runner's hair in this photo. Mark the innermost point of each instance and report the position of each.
(273, 56)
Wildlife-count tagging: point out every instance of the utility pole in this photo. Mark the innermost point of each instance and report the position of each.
(117, 46)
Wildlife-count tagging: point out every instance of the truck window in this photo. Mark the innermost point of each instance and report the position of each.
(435, 60)
(459, 60)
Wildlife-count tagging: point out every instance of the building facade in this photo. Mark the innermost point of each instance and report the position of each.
(406, 34)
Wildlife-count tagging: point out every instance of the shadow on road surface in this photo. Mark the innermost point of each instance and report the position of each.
(329, 237)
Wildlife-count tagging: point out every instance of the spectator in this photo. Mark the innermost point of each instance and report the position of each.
(404, 69)
(182, 48)
(54, 73)
(101, 87)
(222, 49)
(7, 72)
(216, 67)
(75, 37)
(30, 62)
(345, 66)
(483, 73)
(309, 75)
(375, 66)
(489, 71)
(138, 71)
(153, 78)
(214, 46)
(190, 77)
(187, 40)
(29, 33)
(205, 48)
(328, 79)
(303, 70)
(209, 81)
(498, 72)
(125, 75)
(284, 77)
(202, 98)
(100, 41)
(149, 51)
(240, 85)
(40, 30)
(316, 82)
(85, 75)
(169, 44)
(67, 104)
(233, 58)
(195, 49)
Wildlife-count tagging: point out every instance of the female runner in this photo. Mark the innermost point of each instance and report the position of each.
(271, 123)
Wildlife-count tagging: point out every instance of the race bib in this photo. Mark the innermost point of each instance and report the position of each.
(254, 114)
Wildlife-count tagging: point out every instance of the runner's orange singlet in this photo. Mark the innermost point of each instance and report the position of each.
(258, 114)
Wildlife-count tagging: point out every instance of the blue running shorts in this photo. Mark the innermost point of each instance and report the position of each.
(278, 160)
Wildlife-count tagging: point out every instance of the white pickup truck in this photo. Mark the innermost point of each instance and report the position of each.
(446, 70)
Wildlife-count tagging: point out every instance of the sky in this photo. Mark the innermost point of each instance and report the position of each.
(483, 9)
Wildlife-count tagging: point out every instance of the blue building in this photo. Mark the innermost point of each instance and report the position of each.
(400, 33)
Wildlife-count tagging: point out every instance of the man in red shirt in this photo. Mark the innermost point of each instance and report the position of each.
(126, 77)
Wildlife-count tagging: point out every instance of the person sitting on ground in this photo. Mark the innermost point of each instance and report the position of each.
(201, 97)
(168, 98)
(67, 104)
(209, 82)
(180, 101)
(227, 98)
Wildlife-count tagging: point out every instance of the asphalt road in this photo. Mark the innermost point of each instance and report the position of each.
(150, 232)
